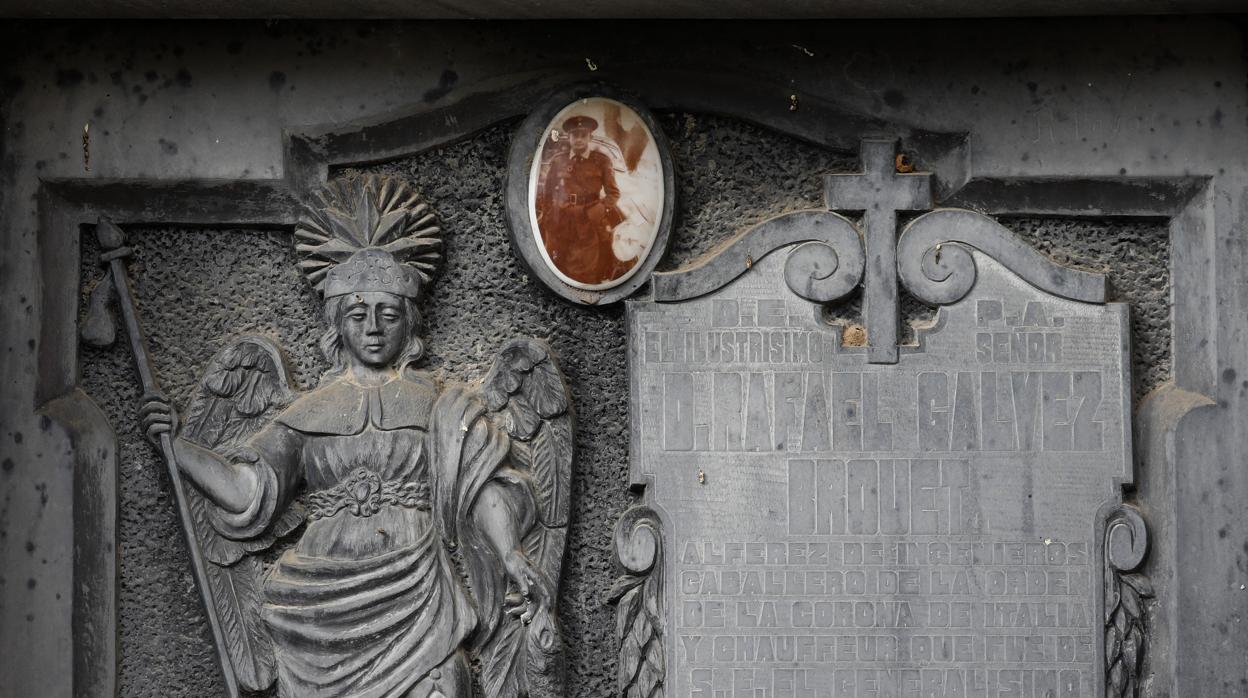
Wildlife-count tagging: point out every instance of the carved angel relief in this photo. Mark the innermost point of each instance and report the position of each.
(435, 515)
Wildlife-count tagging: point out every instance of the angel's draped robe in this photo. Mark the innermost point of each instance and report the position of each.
(367, 606)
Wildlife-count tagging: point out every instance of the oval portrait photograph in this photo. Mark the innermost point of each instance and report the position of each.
(596, 193)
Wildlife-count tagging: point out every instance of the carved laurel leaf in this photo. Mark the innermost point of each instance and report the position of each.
(235, 592)
(1131, 654)
(653, 671)
(1140, 583)
(1117, 684)
(622, 586)
(649, 679)
(1124, 633)
(641, 671)
(638, 596)
(1112, 597)
(1131, 603)
(626, 616)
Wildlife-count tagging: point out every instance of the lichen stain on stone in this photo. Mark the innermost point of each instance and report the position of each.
(855, 336)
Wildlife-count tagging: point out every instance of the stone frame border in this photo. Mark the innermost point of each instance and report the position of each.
(1198, 228)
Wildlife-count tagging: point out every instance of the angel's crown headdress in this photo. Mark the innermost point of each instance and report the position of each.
(368, 233)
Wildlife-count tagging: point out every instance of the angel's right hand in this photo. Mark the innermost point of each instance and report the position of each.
(157, 416)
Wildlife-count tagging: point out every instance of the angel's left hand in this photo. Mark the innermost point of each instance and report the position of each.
(531, 584)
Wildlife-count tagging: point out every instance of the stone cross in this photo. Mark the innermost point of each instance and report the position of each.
(879, 192)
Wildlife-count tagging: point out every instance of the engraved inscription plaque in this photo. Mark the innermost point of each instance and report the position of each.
(948, 525)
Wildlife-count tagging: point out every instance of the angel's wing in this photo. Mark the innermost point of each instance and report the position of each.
(528, 397)
(243, 387)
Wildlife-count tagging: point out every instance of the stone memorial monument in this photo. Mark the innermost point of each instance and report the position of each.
(811, 359)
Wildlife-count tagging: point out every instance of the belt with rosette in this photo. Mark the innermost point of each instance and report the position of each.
(363, 493)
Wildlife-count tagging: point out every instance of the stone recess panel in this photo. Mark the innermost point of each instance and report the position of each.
(834, 525)
(733, 175)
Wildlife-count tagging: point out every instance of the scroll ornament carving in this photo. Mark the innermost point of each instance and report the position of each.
(935, 264)
(1126, 592)
(934, 259)
(832, 255)
(638, 596)
(826, 266)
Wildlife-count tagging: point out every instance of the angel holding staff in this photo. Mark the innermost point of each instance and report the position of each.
(435, 516)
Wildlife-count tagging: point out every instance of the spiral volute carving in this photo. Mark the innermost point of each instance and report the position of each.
(935, 263)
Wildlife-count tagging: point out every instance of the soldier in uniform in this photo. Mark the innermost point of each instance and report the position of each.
(577, 208)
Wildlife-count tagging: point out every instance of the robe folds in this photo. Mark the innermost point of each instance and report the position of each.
(370, 601)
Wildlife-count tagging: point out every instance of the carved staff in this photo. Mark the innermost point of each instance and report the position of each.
(113, 242)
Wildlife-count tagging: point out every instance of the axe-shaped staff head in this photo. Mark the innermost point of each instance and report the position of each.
(99, 329)
(110, 236)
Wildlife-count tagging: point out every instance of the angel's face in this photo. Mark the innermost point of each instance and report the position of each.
(374, 328)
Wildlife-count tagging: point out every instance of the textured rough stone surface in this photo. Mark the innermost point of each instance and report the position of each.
(198, 287)
(1136, 256)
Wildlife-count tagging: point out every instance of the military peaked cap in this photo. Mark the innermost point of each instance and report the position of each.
(576, 122)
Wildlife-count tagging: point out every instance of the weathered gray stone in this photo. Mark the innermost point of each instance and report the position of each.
(1117, 146)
